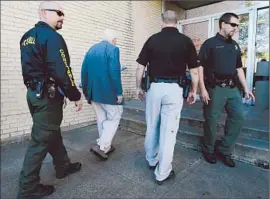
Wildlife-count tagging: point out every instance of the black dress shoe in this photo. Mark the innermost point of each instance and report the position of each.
(44, 190)
(40, 191)
(62, 172)
(226, 159)
(209, 157)
(112, 149)
(153, 167)
(171, 176)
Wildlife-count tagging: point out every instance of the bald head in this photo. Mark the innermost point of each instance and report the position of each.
(49, 5)
(51, 13)
(169, 17)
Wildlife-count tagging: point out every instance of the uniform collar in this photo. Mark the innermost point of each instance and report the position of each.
(222, 38)
(169, 29)
(44, 24)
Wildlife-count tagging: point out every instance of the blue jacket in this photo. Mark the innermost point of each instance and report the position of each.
(101, 74)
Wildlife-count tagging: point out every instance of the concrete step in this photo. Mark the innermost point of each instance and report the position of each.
(196, 121)
(247, 149)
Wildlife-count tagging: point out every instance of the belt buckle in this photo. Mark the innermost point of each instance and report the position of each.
(223, 85)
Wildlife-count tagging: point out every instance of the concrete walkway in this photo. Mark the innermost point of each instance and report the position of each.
(126, 175)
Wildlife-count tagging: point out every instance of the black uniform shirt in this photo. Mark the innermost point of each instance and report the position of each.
(168, 54)
(44, 54)
(220, 55)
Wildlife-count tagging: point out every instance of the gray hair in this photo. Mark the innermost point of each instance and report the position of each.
(169, 17)
(109, 35)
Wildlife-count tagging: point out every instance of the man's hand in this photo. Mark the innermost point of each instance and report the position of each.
(249, 95)
(139, 74)
(140, 94)
(191, 99)
(119, 99)
(242, 79)
(205, 96)
(79, 105)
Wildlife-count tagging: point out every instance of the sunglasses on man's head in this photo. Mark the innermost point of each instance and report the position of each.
(232, 24)
(58, 12)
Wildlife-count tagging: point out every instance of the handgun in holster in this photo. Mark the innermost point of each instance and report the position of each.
(51, 88)
(40, 88)
(185, 83)
(146, 80)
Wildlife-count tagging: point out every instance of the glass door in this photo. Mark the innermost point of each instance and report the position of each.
(261, 39)
(198, 31)
(260, 78)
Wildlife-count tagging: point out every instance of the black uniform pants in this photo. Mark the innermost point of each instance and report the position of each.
(230, 99)
(46, 137)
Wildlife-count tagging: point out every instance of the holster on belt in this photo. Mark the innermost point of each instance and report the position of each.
(184, 82)
(36, 85)
(222, 81)
(40, 85)
(51, 88)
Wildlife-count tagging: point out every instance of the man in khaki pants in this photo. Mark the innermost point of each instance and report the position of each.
(101, 84)
(167, 53)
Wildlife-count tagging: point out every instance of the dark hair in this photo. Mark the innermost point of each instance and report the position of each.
(226, 18)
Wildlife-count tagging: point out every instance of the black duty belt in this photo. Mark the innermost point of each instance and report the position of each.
(225, 83)
(165, 80)
(35, 83)
(40, 86)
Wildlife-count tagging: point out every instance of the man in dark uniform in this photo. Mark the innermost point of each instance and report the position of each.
(48, 77)
(221, 75)
(168, 53)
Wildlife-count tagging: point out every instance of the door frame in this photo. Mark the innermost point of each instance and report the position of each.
(252, 25)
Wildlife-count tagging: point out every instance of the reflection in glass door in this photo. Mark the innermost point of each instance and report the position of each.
(197, 32)
(262, 35)
(260, 83)
(262, 38)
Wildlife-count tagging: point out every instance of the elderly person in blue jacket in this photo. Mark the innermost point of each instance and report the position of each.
(101, 84)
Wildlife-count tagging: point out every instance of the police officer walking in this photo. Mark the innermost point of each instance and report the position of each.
(221, 76)
(168, 53)
(48, 77)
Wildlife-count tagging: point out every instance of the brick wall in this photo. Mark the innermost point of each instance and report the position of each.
(83, 25)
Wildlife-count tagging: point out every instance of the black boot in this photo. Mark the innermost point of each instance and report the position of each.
(226, 159)
(40, 191)
(62, 172)
(209, 157)
(153, 167)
